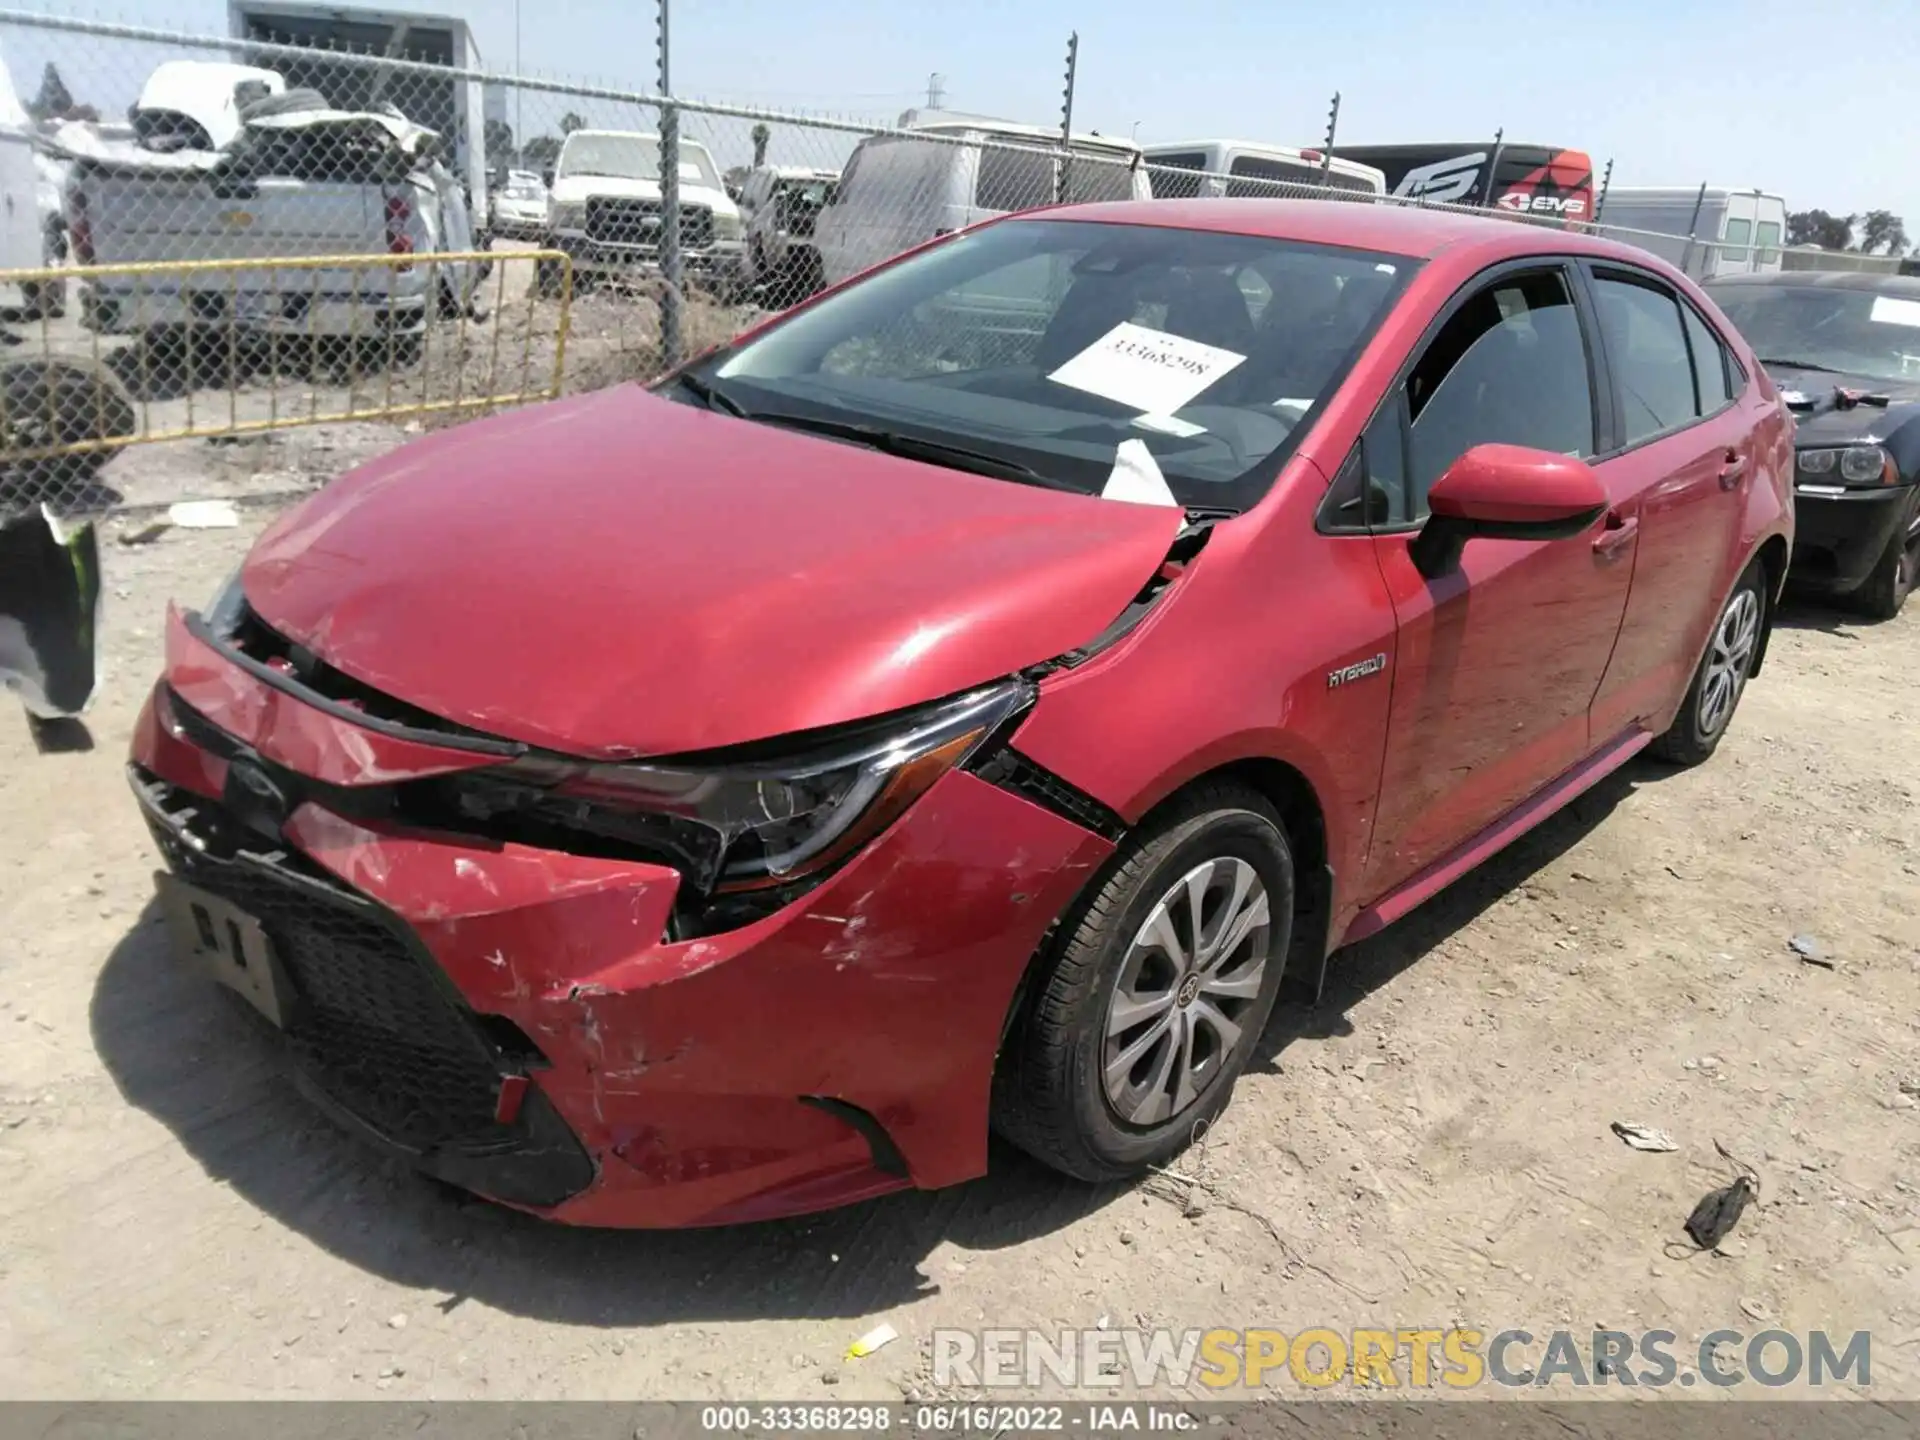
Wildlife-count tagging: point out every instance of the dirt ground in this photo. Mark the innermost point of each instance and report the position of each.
(1429, 1145)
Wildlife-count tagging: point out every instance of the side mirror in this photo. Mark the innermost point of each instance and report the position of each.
(1505, 492)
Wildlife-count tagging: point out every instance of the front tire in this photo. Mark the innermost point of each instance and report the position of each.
(1721, 678)
(1149, 1003)
(1884, 594)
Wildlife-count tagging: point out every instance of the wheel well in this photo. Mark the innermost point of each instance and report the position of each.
(1306, 825)
(1287, 790)
(1773, 559)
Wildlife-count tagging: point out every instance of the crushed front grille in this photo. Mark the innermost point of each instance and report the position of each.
(375, 1026)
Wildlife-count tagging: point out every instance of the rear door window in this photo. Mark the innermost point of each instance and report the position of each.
(1738, 233)
(1098, 175)
(1012, 178)
(1647, 350)
(1262, 175)
(1183, 185)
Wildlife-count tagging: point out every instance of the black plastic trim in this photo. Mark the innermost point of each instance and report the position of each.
(1013, 772)
(887, 1158)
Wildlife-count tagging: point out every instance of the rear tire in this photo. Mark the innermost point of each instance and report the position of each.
(1885, 592)
(1132, 1035)
(1721, 678)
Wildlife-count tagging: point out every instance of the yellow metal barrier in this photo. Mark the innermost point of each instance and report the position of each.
(214, 348)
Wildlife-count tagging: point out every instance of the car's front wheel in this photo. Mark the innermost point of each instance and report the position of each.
(1885, 592)
(1721, 678)
(1154, 994)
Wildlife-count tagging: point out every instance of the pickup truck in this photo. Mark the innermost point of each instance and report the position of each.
(297, 180)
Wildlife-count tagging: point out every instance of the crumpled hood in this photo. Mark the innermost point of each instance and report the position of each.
(619, 574)
(1825, 414)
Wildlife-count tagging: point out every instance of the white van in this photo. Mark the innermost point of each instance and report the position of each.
(902, 189)
(1195, 169)
(1735, 232)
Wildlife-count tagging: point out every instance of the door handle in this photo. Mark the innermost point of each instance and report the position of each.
(1617, 536)
(1732, 469)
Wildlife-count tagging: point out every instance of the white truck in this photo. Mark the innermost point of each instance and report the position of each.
(452, 107)
(299, 179)
(1707, 231)
(605, 212)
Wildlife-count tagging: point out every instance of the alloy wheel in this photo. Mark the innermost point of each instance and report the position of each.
(1194, 967)
(1728, 661)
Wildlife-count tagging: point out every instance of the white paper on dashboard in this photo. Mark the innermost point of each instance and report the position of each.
(1888, 310)
(1148, 370)
(1170, 425)
(1136, 477)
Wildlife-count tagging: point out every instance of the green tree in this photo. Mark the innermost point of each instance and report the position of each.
(499, 141)
(1817, 227)
(55, 101)
(1882, 233)
(541, 153)
(571, 122)
(762, 137)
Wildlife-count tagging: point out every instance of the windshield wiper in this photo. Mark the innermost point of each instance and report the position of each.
(908, 447)
(1798, 364)
(709, 394)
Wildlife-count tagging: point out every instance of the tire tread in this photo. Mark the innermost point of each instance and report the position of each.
(1031, 1106)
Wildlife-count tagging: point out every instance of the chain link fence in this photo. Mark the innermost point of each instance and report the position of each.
(236, 234)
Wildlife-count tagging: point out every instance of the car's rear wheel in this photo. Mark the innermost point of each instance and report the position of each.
(1155, 992)
(1721, 678)
(1885, 592)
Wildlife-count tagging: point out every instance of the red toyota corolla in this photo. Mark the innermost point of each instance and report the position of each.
(956, 704)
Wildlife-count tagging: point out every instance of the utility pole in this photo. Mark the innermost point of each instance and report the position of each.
(1066, 121)
(669, 206)
(936, 92)
(519, 90)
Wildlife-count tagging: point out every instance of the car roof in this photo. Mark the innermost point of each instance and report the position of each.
(1413, 231)
(1879, 283)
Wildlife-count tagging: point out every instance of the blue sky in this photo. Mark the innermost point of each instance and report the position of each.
(1762, 93)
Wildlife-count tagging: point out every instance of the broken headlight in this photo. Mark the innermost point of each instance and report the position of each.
(772, 813)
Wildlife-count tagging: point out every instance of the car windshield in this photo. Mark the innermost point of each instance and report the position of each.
(1855, 332)
(633, 157)
(1045, 345)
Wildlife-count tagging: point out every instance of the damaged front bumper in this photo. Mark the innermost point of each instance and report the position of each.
(517, 1021)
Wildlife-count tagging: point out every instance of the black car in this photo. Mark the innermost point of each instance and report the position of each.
(1844, 348)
